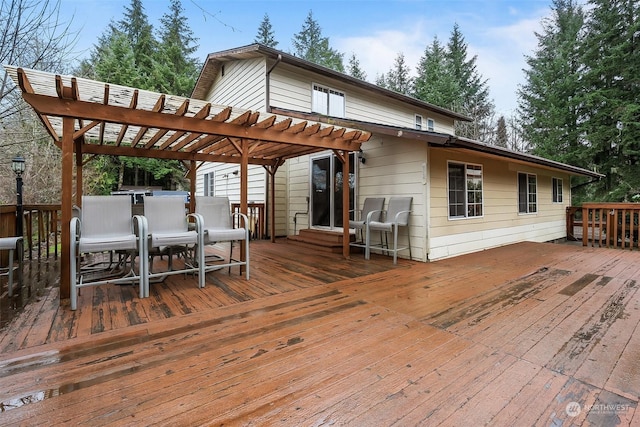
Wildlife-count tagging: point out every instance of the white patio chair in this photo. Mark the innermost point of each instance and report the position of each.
(105, 225)
(396, 216)
(168, 228)
(370, 204)
(12, 244)
(218, 228)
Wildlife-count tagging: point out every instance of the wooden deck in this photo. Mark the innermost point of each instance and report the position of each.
(510, 336)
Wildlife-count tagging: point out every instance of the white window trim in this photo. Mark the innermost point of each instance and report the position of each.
(553, 188)
(528, 174)
(431, 124)
(466, 217)
(418, 121)
(330, 91)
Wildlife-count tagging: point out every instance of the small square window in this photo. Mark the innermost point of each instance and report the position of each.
(430, 124)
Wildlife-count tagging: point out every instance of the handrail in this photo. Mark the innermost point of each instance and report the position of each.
(612, 225)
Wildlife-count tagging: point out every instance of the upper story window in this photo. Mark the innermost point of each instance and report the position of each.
(418, 122)
(430, 124)
(465, 190)
(556, 183)
(527, 193)
(327, 101)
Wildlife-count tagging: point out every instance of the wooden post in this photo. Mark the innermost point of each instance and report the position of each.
(344, 158)
(244, 187)
(78, 145)
(67, 197)
(192, 186)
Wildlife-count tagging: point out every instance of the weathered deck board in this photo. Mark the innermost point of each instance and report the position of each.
(313, 339)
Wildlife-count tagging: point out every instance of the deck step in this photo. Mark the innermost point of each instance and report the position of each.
(322, 240)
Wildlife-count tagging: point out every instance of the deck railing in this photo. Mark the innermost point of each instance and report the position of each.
(41, 229)
(613, 225)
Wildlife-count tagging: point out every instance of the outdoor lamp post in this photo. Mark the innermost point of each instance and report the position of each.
(17, 164)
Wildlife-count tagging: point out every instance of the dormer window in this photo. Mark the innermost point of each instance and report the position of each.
(430, 124)
(327, 101)
(418, 122)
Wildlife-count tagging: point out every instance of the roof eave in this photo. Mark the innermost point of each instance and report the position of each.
(203, 84)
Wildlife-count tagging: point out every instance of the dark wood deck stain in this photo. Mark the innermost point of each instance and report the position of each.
(313, 339)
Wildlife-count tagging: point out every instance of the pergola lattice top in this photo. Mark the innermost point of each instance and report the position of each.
(119, 120)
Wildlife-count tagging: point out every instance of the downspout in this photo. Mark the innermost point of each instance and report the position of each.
(268, 84)
(267, 101)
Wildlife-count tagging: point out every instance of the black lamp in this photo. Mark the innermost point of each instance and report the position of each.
(18, 165)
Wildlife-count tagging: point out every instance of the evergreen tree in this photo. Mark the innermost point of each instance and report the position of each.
(398, 78)
(354, 69)
(309, 44)
(265, 34)
(117, 63)
(611, 98)
(502, 138)
(548, 104)
(435, 83)
(473, 98)
(175, 69)
(135, 25)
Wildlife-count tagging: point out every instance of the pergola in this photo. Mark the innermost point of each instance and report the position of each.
(89, 118)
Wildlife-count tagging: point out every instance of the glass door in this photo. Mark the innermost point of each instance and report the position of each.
(326, 190)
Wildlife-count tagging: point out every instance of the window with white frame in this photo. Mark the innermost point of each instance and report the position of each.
(209, 184)
(430, 124)
(557, 190)
(465, 190)
(418, 122)
(327, 101)
(527, 193)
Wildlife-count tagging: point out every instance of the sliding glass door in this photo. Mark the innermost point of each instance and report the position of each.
(326, 190)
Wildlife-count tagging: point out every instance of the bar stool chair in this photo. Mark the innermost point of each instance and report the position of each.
(12, 244)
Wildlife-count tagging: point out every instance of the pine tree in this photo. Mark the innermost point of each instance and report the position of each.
(610, 101)
(135, 25)
(354, 69)
(473, 98)
(398, 78)
(117, 63)
(435, 83)
(265, 35)
(548, 104)
(502, 139)
(309, 44)
(176, 70)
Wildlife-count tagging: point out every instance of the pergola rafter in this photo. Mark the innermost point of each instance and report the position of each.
(124, 121)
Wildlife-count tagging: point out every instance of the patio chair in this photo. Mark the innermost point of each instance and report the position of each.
(105, 225)
(218, 228)
(396, 216)
(12, 244)
(370, 204)
(168, 229)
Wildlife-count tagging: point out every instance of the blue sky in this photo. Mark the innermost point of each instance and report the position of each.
(499, 32)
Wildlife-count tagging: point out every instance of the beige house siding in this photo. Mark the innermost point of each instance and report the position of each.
(395, 167)
(242, 86)
(291, 88)
(501, 223)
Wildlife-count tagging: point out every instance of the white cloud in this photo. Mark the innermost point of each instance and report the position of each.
(500, 51)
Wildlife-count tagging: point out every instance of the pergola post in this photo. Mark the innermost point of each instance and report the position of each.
(67, 197)
(78, 148)
(344, 158)
(192, 186)
(244, 187)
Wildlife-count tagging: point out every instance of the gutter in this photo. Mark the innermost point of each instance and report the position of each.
(268, 83)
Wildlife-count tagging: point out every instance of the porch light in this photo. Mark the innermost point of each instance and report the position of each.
(18, 166)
